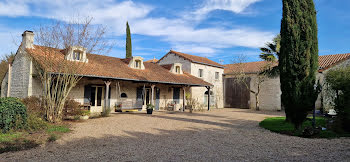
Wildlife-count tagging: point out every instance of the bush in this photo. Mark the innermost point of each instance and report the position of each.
(72, 108)
(13, 114)
(339, 80)
(52, 138)
(36, 123)
(34, 105)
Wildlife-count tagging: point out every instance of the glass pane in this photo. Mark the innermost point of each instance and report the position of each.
(99, 96)
(93, 95)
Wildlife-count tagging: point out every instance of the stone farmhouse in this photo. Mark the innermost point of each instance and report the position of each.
(132, 83)
(129, 83)
(238, 96)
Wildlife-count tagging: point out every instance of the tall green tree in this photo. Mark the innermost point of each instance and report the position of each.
(128, 42)
(298, 59)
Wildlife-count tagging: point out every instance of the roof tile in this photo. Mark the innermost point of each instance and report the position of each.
(111, 67)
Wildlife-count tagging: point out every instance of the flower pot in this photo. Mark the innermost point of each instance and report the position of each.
(149, 111)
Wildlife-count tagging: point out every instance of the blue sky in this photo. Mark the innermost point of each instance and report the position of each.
(217, 29)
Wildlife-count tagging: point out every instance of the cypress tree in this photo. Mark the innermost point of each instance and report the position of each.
(128, 42)
(298, 59)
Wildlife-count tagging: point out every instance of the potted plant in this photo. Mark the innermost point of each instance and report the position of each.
(149, 108)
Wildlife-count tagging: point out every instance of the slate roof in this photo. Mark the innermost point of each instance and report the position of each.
(114, 68)
(325, 62)
(195, 59)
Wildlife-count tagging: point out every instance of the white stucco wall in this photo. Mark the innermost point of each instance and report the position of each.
(208, 76)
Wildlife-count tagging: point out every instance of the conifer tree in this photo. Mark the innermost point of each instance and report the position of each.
(298, 59)
(128, 42)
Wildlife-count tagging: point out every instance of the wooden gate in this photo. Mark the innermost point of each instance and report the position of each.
(237, 95)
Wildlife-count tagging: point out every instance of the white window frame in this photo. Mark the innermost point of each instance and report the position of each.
(138, 64)
(200, 73)
(77, 55)
(217, 75)
(177, 69)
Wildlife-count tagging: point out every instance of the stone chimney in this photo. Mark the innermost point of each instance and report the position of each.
(28, 39)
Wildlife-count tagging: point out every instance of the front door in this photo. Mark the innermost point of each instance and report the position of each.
(97, 98)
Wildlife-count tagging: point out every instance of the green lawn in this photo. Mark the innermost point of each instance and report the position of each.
(279, 125)
(29, 138)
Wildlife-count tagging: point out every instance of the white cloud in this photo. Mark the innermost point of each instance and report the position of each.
(236, 6)
(13, 8)
(181, 33)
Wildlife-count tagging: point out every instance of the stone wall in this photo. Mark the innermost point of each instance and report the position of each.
(327, 95)
(208, 76)
(172, 58)
(20, 75)
(4, 86)
(270, 93)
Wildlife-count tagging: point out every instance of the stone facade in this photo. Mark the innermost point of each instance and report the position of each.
(198, 93)
(20, 71)
(327, 95)
(4, 85)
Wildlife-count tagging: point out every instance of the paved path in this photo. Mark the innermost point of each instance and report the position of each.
(218, 135)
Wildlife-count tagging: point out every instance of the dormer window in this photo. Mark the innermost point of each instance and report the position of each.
(177, 69)
(77, 55)
(138, 64)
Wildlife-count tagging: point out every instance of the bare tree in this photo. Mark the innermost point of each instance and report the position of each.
(59, 77)
(241, 76)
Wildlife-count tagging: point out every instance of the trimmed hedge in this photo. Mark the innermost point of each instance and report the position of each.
(13, 114)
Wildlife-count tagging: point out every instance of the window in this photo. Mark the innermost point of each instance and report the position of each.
(138, 64)
(77, 55)
(200, 73)
(177, 69)
(217, 75)
(123, 95)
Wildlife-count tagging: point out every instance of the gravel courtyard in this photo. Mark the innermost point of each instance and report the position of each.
(217, 135)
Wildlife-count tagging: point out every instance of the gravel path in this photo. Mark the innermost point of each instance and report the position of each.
(218, 135)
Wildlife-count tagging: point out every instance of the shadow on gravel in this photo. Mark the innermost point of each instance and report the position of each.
(192, 144)
(228, 123)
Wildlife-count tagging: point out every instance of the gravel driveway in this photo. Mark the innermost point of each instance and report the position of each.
(218, 135)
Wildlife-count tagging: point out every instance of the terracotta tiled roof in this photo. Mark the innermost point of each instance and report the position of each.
(325, 62)
(154, 60)
(249, 67)
(115, 68)
(195, 59)
(167, 66)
